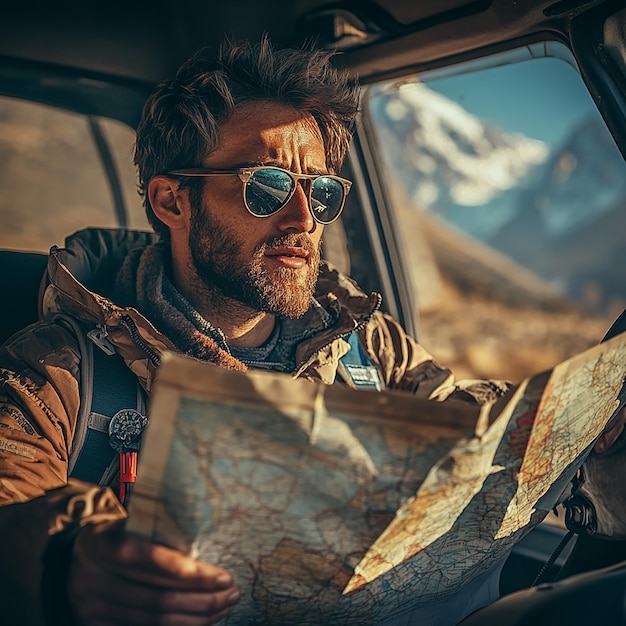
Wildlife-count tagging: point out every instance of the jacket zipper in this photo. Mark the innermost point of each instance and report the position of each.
(139, 341)
(358, 327)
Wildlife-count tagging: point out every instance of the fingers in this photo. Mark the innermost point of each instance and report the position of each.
(130, 556)
(139, 618)
(123, 602)
(610, 436)
(133, 593)
(160, 565)
(123, 579)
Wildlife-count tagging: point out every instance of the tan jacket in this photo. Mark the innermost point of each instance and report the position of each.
(40, 399)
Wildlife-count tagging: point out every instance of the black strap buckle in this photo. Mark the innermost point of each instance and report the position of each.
(580, 514)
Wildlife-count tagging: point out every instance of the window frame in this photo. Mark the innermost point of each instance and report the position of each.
(601, 77)
(90, 94)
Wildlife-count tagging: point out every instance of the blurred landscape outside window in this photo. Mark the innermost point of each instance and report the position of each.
(509, 201)
(52, 175)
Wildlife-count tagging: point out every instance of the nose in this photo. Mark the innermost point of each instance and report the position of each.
(296, 216)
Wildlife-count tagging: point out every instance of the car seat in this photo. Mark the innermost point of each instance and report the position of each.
(21, 275)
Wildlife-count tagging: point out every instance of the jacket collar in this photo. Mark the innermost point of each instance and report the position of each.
(81, 279)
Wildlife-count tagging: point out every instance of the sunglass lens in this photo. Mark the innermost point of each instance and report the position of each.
(267, 190)
(327, 197)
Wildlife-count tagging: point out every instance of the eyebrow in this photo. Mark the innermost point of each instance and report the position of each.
(312, 171)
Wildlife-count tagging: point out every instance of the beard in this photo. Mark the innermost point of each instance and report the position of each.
(222, 265)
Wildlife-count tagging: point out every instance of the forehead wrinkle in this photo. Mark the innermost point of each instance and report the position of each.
(250, 111)
(264, 132)
(298, 148)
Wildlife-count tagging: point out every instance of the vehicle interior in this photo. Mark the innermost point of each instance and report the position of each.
(489, 196)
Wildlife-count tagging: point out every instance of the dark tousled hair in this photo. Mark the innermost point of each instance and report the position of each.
(180, 121)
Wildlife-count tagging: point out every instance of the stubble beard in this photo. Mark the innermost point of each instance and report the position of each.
(225, 270)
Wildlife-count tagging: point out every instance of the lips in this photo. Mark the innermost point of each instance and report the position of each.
(287, 251)
(293, 251)
(294, 257)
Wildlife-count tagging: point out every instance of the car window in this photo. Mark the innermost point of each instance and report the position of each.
(508, 197)
(53, 177)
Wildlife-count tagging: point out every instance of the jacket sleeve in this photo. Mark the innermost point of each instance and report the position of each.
(35, 550)
(407, 366)
(39, 404)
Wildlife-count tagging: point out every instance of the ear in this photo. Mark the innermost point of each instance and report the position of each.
(169, 203)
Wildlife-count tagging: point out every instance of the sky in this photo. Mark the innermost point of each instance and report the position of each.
(542, 98)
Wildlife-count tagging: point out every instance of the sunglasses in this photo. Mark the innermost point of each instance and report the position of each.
(267, 189)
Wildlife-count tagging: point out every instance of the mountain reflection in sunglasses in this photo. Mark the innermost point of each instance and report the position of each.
(267, 189)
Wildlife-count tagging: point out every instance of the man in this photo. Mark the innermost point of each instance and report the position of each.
(238, 160)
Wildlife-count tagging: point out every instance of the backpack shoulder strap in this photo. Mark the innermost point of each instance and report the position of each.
(581, 516)
(356, 369)
(618, 326)
(107, 386)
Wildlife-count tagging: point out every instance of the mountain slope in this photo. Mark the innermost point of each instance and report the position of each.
(452, 163)
(560, 215)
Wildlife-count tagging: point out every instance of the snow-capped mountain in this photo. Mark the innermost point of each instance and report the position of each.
(570, 222)
(448, 159)
(583, 178)
(560, 213)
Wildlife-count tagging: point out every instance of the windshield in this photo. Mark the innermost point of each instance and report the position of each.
(508, 197)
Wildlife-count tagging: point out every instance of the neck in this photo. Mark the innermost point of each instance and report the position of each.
(242, 326)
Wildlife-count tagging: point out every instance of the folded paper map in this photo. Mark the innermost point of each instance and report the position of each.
(338, 506)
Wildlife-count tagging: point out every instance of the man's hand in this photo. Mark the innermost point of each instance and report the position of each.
(612, 431)
(119, 579)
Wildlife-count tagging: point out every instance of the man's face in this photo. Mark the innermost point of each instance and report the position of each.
(268, 264)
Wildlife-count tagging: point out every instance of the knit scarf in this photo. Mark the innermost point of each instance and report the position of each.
(142, 283)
